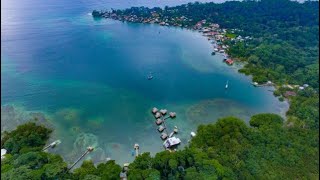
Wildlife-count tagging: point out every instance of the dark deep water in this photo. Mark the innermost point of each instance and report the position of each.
(89, 76)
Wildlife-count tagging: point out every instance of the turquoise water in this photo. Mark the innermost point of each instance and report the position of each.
(89, 77)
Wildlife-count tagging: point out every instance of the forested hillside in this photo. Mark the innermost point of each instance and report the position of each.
(284, 49)
(286, 34)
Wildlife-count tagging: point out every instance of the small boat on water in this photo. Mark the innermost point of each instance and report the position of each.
(193, 134)
(213, 53)
(150, 76)
(227, 85)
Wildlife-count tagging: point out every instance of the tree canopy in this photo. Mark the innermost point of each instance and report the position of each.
(226, 149)
(284, 49)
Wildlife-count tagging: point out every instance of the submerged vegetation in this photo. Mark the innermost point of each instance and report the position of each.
(284, 49)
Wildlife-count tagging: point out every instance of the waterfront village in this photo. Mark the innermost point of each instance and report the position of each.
(216, 35)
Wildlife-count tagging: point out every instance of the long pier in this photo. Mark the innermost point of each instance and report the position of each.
(89, 149)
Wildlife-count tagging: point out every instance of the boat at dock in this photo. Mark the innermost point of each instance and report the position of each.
(255, 84)
(193, 134)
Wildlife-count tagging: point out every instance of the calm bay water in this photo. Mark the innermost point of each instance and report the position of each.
(89, 76)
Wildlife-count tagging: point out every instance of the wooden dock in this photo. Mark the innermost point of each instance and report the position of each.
(160, 116)
(89, 149)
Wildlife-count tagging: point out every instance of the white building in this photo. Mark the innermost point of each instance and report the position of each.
(171, 142)
(3, 152)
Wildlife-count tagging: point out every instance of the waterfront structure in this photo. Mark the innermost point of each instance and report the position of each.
(171, 142)
(3, 153)
(89, 149)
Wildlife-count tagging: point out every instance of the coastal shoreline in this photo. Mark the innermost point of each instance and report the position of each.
(79, 91)
(188, 29)
(215, 35)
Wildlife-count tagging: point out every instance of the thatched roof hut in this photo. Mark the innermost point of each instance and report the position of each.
(157, 115)
(161, 128)
(172, 114)
(163, 111)
(154, 110)
(159, 121)
(164, 136)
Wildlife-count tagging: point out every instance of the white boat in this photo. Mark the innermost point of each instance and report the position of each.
(193, 134)
(171, 134)
(172, 141)
(150, 76)
(255, 83)
(227, 85)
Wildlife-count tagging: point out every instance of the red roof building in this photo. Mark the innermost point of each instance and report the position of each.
(229, 61)
(212, 33)
(289, 93)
